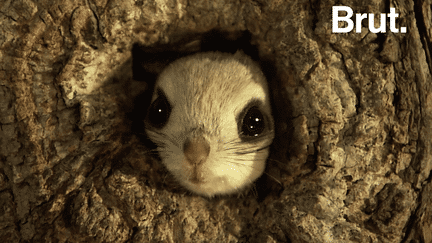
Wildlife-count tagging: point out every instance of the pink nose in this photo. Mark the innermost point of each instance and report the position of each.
(196, 150)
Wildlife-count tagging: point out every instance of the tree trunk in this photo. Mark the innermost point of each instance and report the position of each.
(353, 111)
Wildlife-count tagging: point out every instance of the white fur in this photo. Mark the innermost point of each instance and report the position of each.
(207, 91)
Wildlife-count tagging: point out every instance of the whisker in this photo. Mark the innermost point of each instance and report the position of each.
(236, 153)
(248, 165)
(280, 183)
(251, 151)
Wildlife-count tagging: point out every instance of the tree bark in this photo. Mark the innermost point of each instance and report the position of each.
(352, 157)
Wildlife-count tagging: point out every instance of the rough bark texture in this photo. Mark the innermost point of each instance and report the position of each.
(355, 168)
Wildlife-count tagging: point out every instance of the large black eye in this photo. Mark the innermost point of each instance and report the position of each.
(159, 111)
(253, 123)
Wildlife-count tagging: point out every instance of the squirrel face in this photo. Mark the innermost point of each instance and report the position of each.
(210, 117)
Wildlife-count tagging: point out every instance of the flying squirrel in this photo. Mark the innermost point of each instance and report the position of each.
(210, 117)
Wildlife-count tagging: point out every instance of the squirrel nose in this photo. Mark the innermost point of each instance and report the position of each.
(196, 150)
